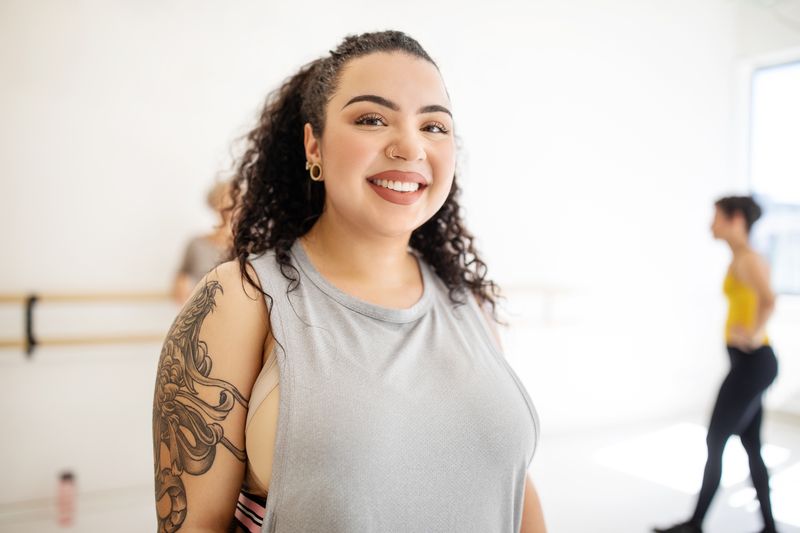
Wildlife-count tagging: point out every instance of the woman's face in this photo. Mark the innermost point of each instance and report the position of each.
(724, 226)
(388, 121)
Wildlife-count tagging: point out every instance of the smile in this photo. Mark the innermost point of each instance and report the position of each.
(399, 186)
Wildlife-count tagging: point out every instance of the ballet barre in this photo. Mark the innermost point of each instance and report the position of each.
(29, 302)
(84, 297)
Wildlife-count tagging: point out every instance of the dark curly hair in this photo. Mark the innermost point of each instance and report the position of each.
(276, 202)
(745, 205)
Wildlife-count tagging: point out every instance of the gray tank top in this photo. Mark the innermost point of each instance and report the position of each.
(391, 420)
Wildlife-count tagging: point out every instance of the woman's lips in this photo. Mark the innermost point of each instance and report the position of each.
(397, 197)
(399, 175)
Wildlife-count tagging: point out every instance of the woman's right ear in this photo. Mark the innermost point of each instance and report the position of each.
(311, 144)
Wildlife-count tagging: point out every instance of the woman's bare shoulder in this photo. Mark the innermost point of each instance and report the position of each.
(231, 275)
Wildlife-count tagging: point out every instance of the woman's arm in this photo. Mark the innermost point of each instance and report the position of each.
(754, 271)
(183, 284)
(181, 288)
(209, 361)
(532, 515)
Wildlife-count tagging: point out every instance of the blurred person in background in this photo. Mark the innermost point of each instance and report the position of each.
(204, 252)
(355, 284)
(738, 409)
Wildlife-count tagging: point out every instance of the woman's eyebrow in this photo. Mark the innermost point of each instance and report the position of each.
(434, 108)
(393, 106)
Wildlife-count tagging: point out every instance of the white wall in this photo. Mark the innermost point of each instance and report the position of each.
(596, 133)
(625, 114)
(765, 27)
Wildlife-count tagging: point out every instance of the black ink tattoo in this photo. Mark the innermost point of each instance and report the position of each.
(180, 416)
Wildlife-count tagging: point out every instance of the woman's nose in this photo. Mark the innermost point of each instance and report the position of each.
(407, 146)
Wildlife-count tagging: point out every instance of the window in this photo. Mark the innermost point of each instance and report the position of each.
(775, 169)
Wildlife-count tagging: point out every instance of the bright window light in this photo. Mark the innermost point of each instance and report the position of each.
(774, 169)
(774, 134)
(784, 496)
(784, 485)
(675, 456)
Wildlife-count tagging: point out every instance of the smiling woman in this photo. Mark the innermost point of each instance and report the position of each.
(355, 382)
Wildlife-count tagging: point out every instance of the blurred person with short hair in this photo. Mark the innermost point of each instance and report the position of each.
(738, 409)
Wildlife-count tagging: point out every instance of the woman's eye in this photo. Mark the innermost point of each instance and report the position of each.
(436, 127)
(370, 120)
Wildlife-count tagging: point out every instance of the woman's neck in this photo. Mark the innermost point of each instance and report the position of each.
(343, 253)
(739, 246)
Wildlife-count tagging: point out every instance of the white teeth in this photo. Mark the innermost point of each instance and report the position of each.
(399, 186)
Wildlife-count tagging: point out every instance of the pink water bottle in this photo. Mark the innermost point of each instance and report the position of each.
(66, 499)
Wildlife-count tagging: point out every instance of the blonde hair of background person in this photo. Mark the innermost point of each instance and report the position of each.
(204, 252)
(376, 103)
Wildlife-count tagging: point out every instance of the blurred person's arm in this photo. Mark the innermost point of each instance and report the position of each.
(183, 285)
(754, 271)
(209, 362)
(182, 288)
(532, 515)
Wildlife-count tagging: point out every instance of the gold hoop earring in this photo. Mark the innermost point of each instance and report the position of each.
(314, 170)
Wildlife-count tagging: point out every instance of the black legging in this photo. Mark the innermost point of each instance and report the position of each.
(738, 411)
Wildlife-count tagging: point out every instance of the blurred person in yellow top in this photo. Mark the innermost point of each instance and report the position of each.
(204, 252)
(738, 409)
(748, 312)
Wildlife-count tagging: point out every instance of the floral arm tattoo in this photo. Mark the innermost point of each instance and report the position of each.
(184, 423)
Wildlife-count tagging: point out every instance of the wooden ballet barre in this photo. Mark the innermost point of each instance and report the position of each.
(20, 298)
(81, 341)
(29, 302)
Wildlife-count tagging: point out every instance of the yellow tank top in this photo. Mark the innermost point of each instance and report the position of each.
(742, 306)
